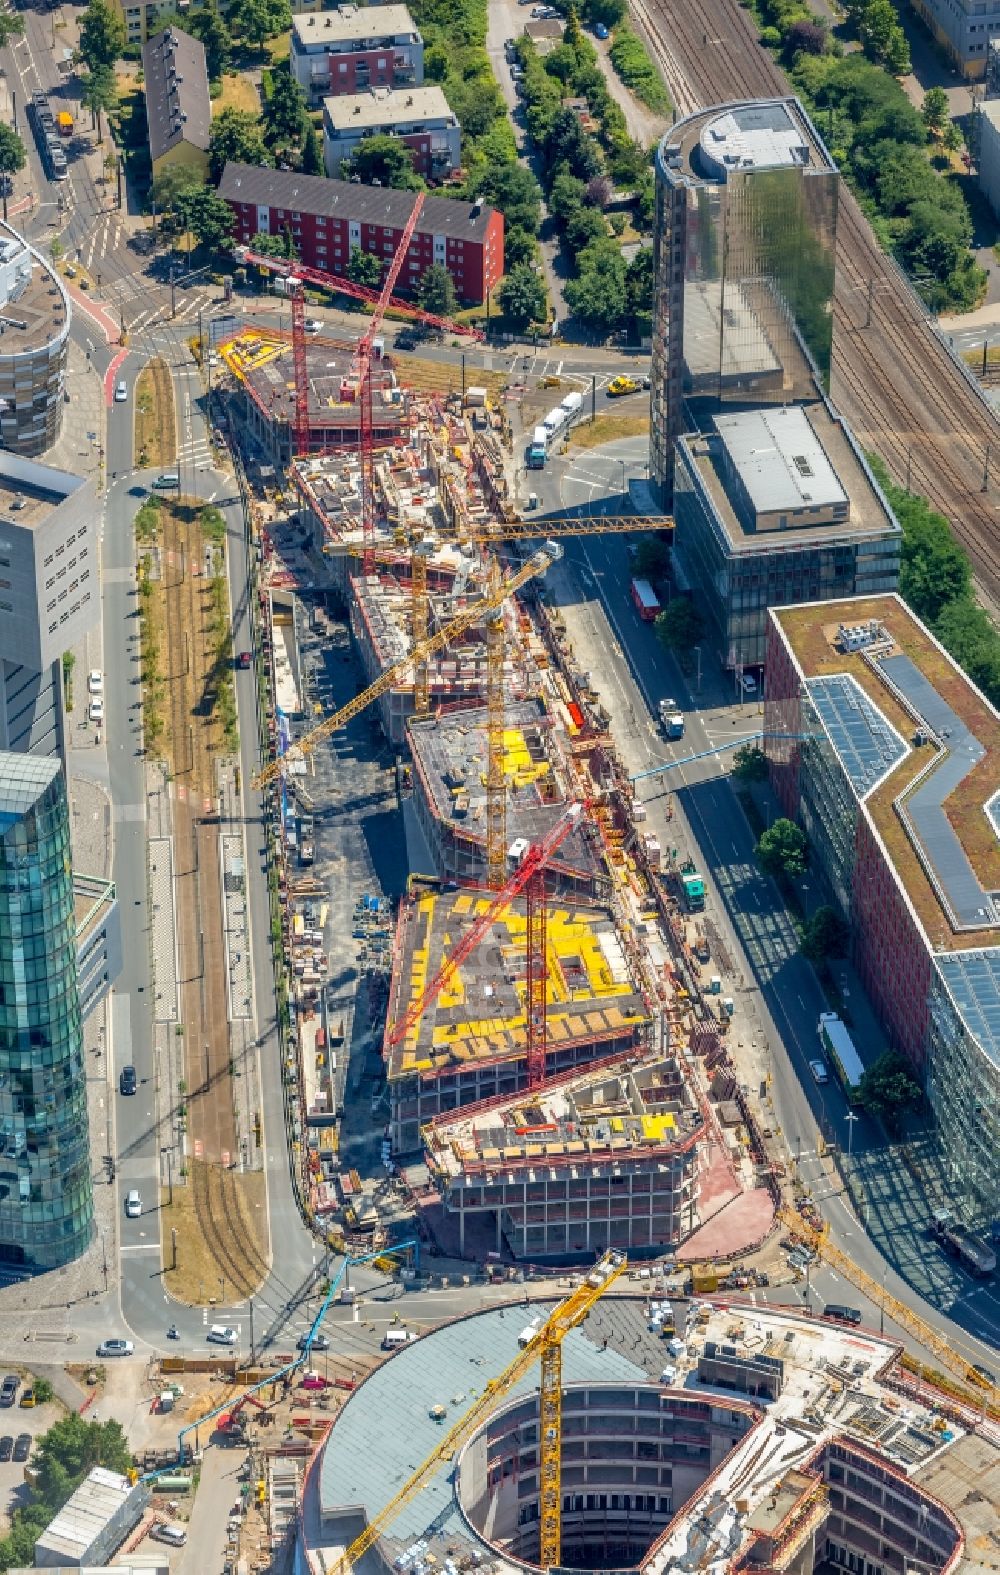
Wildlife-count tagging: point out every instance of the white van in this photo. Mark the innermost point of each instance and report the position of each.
(173, 1536)
(394, 1338)
(221, 1334)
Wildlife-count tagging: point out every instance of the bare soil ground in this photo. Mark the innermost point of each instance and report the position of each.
(155, 427)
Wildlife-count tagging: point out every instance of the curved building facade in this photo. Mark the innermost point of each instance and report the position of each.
(743, 256)
(46, 1198)
(34, 334)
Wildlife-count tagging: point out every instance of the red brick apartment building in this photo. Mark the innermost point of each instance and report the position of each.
(328, 218)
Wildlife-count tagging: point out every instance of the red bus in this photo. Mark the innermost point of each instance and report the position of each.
(644, 597)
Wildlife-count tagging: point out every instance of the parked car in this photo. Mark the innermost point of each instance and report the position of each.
(6, 1446)
(22, 1446)
(127, 1080)
(133, 1204)
(8, 1390)
(115, 1348)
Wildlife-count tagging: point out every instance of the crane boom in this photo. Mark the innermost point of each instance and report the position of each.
(286, 268)
(546, 1347)
(532, 864)
(536, 564)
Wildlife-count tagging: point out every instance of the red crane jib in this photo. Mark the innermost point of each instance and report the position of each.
(533, 862)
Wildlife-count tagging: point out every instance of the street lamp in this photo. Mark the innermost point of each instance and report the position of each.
(850, 1118)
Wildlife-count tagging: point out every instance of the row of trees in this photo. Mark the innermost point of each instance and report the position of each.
(888, 149)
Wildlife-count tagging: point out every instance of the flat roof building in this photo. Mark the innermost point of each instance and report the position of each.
(421, 117)
(743, 255)
(178, 105)
(470, 1043)
(774, 505)
(350, 49)
(895, 782)
(49, 553)
(327, 219)
(502, 1172)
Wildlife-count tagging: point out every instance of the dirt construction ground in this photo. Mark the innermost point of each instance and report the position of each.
(192, 618)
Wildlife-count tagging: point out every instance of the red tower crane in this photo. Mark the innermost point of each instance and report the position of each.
(297, 276)
(529, 877)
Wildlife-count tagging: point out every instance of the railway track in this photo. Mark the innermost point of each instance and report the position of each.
(893, 377)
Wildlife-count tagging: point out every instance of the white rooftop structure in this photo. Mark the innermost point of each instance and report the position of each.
(403, 109)
(780, 460)
(350, 24)
(753, 136)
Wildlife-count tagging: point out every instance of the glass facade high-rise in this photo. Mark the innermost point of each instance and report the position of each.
(744, 253)
(46, 1199)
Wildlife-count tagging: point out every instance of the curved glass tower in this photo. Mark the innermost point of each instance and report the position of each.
(46, 1198)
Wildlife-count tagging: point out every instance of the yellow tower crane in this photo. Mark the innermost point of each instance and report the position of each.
(547, 1348)
(498, 533)
(478, 610)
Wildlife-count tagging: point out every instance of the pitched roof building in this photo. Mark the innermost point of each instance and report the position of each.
(178, 105)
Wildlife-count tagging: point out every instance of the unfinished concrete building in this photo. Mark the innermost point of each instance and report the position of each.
(449, 791)
(608, 1159)
(470, 1044)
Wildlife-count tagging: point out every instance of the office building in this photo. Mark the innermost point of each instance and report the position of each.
(34, 332)
(178, 105)
(420, 117)
(327, 219)
(774, 505)
(744, 245)
(46, 1200)
(895, 781)
(352, 49)
(49, 596)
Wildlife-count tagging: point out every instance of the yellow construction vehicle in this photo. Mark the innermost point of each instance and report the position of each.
(546, 1347)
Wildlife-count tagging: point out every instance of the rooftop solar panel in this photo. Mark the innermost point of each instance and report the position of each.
(868, 745)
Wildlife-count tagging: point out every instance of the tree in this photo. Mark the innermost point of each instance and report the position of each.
(312, 151)
(384, 159)
(284, 112)
(783, 849)
(12, 159)
(436, 291)
(513, 189)
(208, 216)
(521, 297)
(102, 35)
(11, 26)
(259, 20)
(934, 109)
(888, 1089)
(823, 935)
(364, 268)
(806, 36)
(680, 625)
(236, 135)
(99, 92)
(652, 558)
(750, 764)
(208, 25)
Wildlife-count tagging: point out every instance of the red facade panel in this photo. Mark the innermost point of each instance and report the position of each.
(475, 265)
(890, 952)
